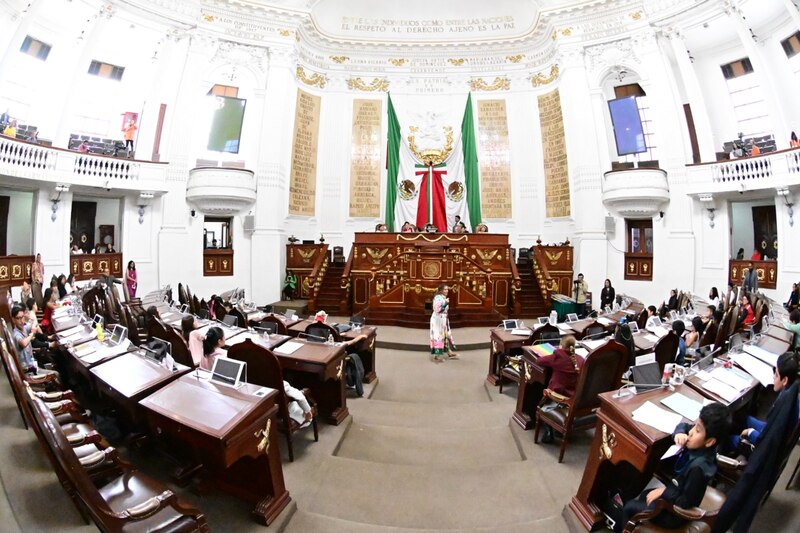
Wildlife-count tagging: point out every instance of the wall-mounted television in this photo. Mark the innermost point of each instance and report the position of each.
(226, 124)
(627, 123)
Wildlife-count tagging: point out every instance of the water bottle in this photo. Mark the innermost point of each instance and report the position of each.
(553, 318)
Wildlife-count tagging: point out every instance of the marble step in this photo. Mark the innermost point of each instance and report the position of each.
(431, 497)
(306, 522)
(443, 447)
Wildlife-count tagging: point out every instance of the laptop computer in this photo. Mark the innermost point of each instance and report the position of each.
(634, 327)
(510, 324)
(98, 319)
(228, 372)
(231, 321)
(343, 328)
(646, 377)
(572, 317)
(185, 309)
(289, 314)
(543, 319)
(654, 321)
(357, 320)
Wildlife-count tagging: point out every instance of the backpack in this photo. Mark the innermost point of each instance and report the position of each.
(354, 373)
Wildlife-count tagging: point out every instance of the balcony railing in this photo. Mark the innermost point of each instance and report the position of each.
(27, 160)
(767, 171)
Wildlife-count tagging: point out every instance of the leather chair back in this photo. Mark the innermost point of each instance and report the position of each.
(601, 372)
(666, 348)
(321, 330)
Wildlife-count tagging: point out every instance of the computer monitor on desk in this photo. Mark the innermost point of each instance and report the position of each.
(289, 314)
(230, 320)
(572, 317)
(228, 372)
(510, 324)
(118, 335)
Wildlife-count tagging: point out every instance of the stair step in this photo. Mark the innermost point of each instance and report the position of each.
(446, 447)
(431, 497)
(304, 521)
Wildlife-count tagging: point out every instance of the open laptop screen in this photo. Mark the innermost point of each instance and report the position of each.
(230, 320)
(227, 371)
(119, 334)
(97, 320)
(646, 377)
(289, 314)
(510, 324)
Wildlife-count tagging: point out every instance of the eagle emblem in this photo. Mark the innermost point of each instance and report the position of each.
(376, 255)
(553, 256)
(306, 254)
(486, 256)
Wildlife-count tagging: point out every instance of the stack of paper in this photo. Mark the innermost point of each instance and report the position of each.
(288, 347)
(762, 372)
(651, 415)
(524, 332)
(768, 357)
(606, 321)
(592, 344)
(650, 338)
(724, 391)
(71, 332)
(564, 328)
(731, 378)
(683, 405)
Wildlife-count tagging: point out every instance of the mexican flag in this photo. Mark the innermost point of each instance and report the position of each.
(423, 193)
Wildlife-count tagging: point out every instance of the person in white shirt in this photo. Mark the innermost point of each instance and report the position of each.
(713, 297)
(299, 409)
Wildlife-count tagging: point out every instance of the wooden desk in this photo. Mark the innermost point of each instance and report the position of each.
(65, 322)
(742, 400)
(269, 343)
(533, 377)
(226, 331)
(221, 427)
(365, 349)
(171, 317)
(619, 443)
(503, 343)
(320, 367)
(643, 341)
(129, 378)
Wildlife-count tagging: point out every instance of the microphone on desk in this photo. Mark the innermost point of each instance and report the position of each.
(317, 338)
(598, 335)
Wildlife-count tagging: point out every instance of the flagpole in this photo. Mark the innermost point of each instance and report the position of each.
(430, 192)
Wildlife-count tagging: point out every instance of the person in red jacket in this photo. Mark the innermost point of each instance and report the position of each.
(566, 367)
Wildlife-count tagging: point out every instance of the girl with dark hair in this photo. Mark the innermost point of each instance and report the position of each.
(713, 297)
(794, 298)
(206, 347)
(187, 326)
(61, 286)
(624, 336)
(70, 284)
(694, 336)
(131, 279)
(50, 298)
(607, 295)
(566, 367)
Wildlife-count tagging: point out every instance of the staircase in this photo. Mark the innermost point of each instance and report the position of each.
(530, 297)
(330, 295)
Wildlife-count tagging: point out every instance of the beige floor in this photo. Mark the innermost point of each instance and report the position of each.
(429, 447)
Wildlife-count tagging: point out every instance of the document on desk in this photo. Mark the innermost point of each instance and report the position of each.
(606, 321)
(71, 332)
(523, 332)
(683, 405)
(673, 450)
(583, 353)
(732, 378)
(765, 355)
(755, 367)
(592, 344)
(651, 415)
(288, 348)
(650, 338)
(564, 328)
(724, 391)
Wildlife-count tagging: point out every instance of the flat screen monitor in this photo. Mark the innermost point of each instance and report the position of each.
(543, 319)
(628, 132)
(119, 334)
(647, 376)
(510, 324)
(226, 124)
(230, 321)
(184, 309)
(157, 349)
(655, 321)
(227, 372)
(634, 327)
(98, 319)
(289, 314)
(572, 317)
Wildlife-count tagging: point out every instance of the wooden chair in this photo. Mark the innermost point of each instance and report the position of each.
(156, 328)
(509, 367)
(180, 348)
(338, 255)
(280, 326)
(131, 501)
(709, 335)
(699, 519)
(601, 372)
(133, 328)
(666, 349)
(641, 320)
(323, 331)
(241, 321)
(263, 368)
(195, 306)
(182, 298)
(593, 328)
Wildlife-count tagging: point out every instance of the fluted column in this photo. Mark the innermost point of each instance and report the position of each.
(768, 79)
(694, 93)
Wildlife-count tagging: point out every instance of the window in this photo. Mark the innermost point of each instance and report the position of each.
(35, 48)
(749, 107)
(224, 90)
(640, 236)
(217, 232)
(106, 70)
(791, 45)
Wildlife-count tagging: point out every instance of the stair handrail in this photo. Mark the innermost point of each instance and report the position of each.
(313, 281)
(516, 286)
(345, 282)
(542, 274)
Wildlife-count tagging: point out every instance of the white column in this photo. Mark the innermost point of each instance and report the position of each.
(23, 21)
(768, 80)
(77, 69)
(691, 85)
(268, 240)
(793, 12)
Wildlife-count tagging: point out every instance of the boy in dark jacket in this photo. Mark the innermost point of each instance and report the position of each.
(693, 467)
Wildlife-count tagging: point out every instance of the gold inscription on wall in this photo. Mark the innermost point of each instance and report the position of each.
(365, 159)
(556, 173)
(303, 177)
(495, 167)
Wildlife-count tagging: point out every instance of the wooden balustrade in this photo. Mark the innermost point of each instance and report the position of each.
(14, 269)
(767, 272)
(218, 262)
(639, 267)
(88, 266)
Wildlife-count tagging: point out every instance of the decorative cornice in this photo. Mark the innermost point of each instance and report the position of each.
(398, 62)
(378, 84)
(457, 62)
(540, 79)
(317, 80)
(339, 59)
(500, 83)
(515, 58)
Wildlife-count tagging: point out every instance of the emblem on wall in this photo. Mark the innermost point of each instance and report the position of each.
(407, 190)
(455, 191)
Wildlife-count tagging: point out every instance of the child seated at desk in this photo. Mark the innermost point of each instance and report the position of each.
(693, 467)
(565, 366)
(784, 377)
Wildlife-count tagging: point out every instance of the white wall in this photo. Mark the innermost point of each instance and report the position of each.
(108, 213)
(19, 234)
(742, 226)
